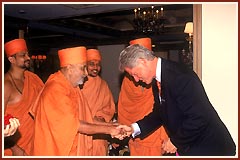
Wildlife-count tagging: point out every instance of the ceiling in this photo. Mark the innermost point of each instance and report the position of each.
(62, 25)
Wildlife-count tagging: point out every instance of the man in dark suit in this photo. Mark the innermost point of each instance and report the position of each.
(182, 107)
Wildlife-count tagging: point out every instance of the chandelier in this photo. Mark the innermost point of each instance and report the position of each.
(148, 21)
(38, 60)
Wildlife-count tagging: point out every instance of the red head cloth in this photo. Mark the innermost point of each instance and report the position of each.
(15, 46)
(146, 42)
(93, 54)
(75, 55)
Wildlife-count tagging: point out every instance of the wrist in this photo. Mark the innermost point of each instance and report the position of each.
(110, 129)
(132, 129)
(14, 147)
(135, 130)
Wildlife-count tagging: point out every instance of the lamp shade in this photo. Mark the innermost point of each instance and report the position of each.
(33, 57)
(189, 28)
(39, 57)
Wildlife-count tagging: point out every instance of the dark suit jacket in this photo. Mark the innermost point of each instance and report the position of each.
(185, 111)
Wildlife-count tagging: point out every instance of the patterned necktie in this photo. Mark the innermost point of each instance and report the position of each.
(159, 91)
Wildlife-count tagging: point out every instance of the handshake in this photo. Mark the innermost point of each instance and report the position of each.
(121, 131)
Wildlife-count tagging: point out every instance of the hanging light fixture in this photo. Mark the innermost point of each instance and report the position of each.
(38, 59)
(148, 21)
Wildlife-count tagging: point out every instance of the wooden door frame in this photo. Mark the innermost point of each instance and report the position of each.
(197, 39)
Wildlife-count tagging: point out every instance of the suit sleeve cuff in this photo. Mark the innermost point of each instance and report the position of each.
(136, 130)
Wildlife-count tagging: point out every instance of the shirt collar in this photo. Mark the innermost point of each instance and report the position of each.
(158, 70)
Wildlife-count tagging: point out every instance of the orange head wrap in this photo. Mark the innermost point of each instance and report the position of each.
(93, 54)
(15, 46)
(75, 55)
(145, 42)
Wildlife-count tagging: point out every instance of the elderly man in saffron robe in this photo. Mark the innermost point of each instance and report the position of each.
(64, 123)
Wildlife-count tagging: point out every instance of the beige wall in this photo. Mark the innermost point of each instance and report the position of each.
(220, 60)
(110, 71)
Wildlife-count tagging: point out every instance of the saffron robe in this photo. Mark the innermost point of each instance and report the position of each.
(24, 136)
(101, 104)
(133, 104)
(58, 111)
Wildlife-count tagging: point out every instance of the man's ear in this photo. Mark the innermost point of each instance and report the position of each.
(69, 68)
(11, 59)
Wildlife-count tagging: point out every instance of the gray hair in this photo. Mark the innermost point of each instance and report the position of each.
(129, 56)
